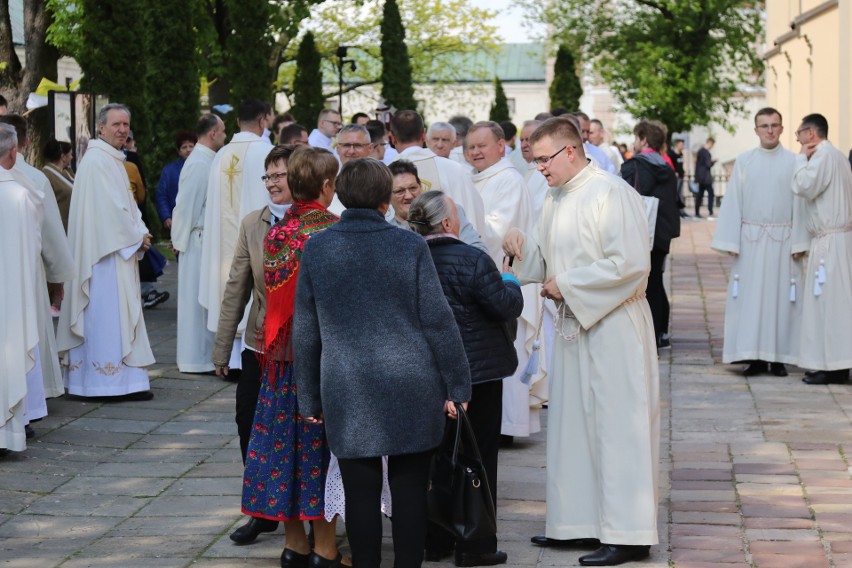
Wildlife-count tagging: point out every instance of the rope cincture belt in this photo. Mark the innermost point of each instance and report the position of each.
(564, 316)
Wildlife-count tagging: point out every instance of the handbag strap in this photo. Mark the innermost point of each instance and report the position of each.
(463, 424)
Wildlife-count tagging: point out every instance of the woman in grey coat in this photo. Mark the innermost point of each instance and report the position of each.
(379, 360)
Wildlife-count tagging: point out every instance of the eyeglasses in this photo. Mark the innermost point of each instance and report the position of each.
(803, 129)
(773, 126)
(274, 178)
(353, 146)
(401, 191)
(546, 160)
(336, 123)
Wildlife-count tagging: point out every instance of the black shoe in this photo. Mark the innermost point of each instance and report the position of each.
(506, 441)
(28, 430)
(756, 368)
(565, 543)
(134, 396)
(827, 377)
(249, 531)
(436, 554)
(614, 554)
(480, 558)
(664, 342)
(233, 375)
(778, 369)
(292, 559)
(154, 298)
(317, 561)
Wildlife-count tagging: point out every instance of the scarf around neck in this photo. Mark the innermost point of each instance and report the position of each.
(282, 255)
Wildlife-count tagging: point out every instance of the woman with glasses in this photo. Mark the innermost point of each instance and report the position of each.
(483, 303)
(379, 361)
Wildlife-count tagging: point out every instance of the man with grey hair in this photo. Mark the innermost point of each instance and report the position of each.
(101, 329)
(194, 340)
(462, 124)
(328, 125)
(441, 138)
(55, 267)
(596, 154)
(353, 141)
(19, 336)
(522, 161)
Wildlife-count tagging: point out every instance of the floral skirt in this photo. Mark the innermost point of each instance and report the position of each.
(287, 458)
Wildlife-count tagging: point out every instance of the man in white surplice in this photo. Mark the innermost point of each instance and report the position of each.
(823, 182)
(757, 226)
(56, 267)
(19, 334)
(234, 190)
(591, 250)
(101, 329)
(328, 125)
(441, 174)
(522, 161)
(194, 340)
(507, 204)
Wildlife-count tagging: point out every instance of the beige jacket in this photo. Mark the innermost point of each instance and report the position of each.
(244, 280)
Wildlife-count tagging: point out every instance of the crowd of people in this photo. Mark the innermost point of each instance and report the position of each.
(361, 282)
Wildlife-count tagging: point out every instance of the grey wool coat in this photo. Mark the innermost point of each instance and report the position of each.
(376, 349)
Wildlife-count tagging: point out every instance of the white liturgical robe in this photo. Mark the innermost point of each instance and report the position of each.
(194, 340)
(604, 419)
(234, 190)
(101, 327)
(507, 205)
(765, 290)
(19, 334)
(825, 185)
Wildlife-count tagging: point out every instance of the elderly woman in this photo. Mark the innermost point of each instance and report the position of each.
(378, 359)
(57, 161)
(483, 303)
(287, 459)
(245, 281)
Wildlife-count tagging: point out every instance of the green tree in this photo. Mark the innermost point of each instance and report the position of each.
(565, 90)
(172, 80)
(308, 100)
(500, 108)
(681, 62)
(397, 88)
(250, 45)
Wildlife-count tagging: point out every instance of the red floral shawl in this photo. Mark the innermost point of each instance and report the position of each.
(282, 255)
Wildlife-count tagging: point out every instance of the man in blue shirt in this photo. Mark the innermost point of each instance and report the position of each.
(167, 188)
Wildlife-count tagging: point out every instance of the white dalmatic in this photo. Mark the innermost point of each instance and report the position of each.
(757, 223)
(824, 184)
(603, 440)
(234, 190)
(101, 333)
(19, 335)
(507, 204)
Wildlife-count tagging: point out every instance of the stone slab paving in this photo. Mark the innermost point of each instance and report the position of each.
(754, 471)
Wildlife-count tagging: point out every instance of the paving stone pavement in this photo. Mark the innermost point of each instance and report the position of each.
(754, 471)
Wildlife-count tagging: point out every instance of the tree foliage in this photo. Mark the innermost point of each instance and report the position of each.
(500, 107)
(308, 100)
(679, 61)
(438, 35)
(397, 88)
(566, 89)
(250, 48)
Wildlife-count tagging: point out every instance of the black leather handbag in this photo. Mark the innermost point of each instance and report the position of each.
(458, 497)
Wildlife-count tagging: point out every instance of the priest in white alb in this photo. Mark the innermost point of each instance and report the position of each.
(758, 223)
(101, 332)
(507, 205)
(194, 340)
(234, 190)
(823, 182)
(19, 334)
(591, 252)
(56, 267)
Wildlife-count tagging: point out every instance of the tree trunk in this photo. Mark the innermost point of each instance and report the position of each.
(10, 75)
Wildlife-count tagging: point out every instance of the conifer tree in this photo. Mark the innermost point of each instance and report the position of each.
(397, 87)
(565, 90)
(500, 108)
(250, 45)
(308, 99)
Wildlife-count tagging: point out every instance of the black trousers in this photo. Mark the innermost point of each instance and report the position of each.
(486, 415)
(656, 293)
(408, 476)
(699, 197)
(248, 389)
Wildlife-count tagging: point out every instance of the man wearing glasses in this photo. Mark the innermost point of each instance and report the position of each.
(328, 125)
(823, 183)
(591, 252)
(353, 141)
(758, 225)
